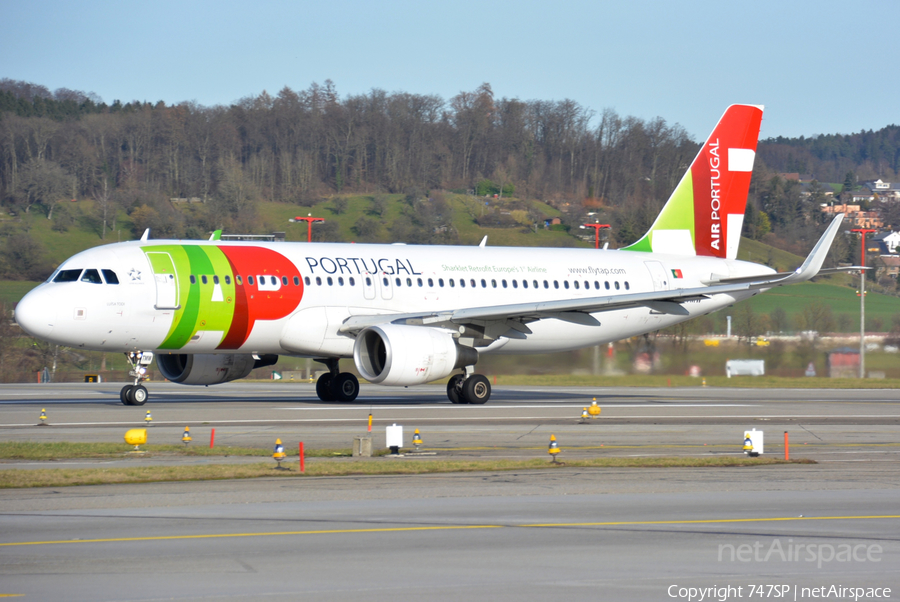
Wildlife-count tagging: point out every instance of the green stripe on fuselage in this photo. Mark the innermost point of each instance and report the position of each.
(203, 307)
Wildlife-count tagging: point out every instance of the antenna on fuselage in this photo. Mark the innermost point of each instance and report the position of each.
(146, 235)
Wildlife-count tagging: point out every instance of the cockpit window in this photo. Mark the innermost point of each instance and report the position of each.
(110, 277)
(67, 276)
(92, 276)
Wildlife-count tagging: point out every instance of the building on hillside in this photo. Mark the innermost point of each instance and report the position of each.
(797, 177)
(840, 208)
(859, 219)
(863, 195)
(866, 219)
(888, 241)
(883, 191)
(887, 265)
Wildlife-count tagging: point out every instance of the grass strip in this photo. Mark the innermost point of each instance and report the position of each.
(62, 477)
(30, 450)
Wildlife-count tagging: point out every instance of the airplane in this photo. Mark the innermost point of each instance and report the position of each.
(212, 311)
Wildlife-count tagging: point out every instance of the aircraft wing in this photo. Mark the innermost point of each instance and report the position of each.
(578, 311)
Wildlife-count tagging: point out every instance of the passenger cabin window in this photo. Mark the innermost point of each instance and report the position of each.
(441, 282)
(352, 281)
(203, 279)
(306, 280)
(239, 280)
(227, 279)
(341, 280)
(250, 280)
(215, 279)
(68, 276)
(110, 277)
(318, 281)
(284, 281)
(92, 276)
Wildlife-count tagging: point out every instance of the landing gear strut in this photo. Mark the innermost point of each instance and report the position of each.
(136, 394)
(336, 385)
(468, 388)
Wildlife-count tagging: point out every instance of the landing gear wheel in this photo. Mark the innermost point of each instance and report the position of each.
(477, 389)
(345, 387)
(323, 388)
(454, 389)
(124, 394)
(138, 395)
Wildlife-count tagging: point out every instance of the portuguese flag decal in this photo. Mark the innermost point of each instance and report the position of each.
(677, 274)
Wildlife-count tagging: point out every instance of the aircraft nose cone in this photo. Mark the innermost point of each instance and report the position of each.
(36, 313)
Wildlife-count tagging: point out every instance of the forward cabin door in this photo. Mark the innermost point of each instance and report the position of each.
(659, 275)
(166, 280)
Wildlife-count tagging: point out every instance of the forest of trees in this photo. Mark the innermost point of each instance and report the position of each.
(298, 147)
(295, 147)
(828, 158)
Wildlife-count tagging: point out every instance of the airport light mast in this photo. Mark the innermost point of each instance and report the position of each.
(597, 228)
(309, 222)
(862, 302)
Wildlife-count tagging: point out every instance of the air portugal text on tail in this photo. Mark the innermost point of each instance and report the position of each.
(705, 214)
(211, 311)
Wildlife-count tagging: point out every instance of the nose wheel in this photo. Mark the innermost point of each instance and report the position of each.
(136, 394)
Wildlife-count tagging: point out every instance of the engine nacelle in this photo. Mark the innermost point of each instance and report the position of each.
(208, 368)
(399, 355)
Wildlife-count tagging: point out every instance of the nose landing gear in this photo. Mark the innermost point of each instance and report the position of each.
(136, 394)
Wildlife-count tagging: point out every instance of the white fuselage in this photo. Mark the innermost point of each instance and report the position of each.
(337, 281)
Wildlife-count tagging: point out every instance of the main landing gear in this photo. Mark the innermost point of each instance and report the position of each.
(336, 385)
(136, 394)
(469, 388)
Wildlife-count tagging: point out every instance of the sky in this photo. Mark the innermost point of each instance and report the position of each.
(819, 67)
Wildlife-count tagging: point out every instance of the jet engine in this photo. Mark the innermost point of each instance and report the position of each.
(400, 355)
(208, 368)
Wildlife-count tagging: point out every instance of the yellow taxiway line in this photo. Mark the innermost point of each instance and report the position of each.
(453, 528)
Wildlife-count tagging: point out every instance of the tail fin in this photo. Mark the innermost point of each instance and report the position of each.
(705, 213)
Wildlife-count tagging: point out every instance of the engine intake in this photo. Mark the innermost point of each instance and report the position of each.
(400, 355)
(208, 368)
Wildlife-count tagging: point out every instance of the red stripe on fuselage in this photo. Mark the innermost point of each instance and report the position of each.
(252, 304)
